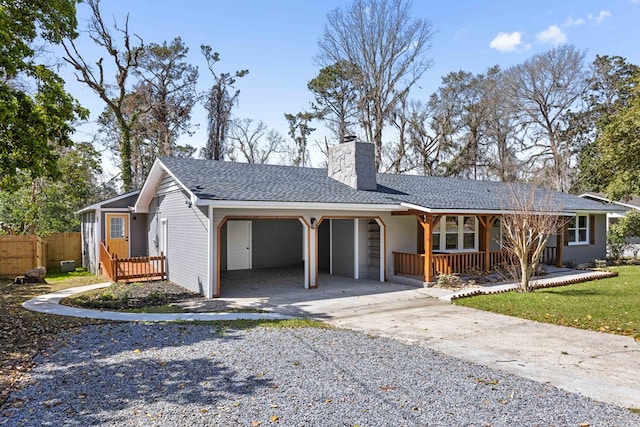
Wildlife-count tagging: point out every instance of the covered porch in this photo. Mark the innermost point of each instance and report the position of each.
(460, 244)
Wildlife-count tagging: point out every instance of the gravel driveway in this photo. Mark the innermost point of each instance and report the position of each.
(197, 375)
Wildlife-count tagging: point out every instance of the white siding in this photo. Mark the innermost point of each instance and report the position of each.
(187, 243)
(401, 237)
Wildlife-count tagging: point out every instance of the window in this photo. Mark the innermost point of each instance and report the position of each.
(578, 230)
(451, 240)
(117, 228)
(455, 234)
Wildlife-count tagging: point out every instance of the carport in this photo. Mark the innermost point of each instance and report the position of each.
(351, 247)
(248, 246)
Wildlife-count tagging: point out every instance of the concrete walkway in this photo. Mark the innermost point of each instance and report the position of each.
(50, 304)
(602, 366)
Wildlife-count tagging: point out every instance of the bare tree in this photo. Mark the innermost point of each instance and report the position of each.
(254, 141)
(387, 47)
(219, 102)
(546, 88)
(531, 218)
(114, 93)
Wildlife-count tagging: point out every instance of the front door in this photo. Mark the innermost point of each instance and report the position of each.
(238, 245)
(118, 234)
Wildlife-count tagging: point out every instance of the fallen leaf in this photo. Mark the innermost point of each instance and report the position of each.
(137, 350)
(204, 411)
(255, 423)
(274, 418)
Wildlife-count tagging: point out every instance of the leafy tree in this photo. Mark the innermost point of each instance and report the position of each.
(35, 110)
(610, 90)
(387, 47)
(43, 205)
(114, 94)
(219, 102)
(299, 130)
(545, 88)
(336, 97)
(621, 232)
(618, 149)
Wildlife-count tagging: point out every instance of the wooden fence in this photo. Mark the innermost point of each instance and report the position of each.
(21, 253)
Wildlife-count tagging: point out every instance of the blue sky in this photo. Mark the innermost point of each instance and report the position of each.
(277, 40)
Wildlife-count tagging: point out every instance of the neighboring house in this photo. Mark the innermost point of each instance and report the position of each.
(211, 216)
(614, 217)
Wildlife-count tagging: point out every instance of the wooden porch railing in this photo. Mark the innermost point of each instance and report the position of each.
(123, 269)
(408, 264)
(462, 262)
(457, 263)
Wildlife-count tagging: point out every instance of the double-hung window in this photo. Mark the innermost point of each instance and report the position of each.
(455, 233)
(578, 230)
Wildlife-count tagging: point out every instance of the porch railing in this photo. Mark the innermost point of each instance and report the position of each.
(412, 264)
(122, 269)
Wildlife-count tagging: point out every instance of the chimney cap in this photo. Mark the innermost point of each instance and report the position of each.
(350, 138)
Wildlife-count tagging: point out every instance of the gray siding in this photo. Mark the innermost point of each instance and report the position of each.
(342, 247)
(90, 256)
(138, 234)
(276, 242)
(187, 240)
(580, 254)
(123, 203)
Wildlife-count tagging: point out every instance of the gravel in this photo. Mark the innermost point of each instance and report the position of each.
(199, 375)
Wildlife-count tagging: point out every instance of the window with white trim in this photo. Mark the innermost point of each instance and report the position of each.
(455, 234)
(578, 230)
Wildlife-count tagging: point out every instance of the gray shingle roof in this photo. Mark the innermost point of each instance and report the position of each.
(219, 180)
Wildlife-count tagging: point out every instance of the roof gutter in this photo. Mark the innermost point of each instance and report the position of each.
(298, 205)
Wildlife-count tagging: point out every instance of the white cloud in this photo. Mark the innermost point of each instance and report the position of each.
(506, 42)
(597, 19)
(460, 33)
(552, 35)
(570, 22)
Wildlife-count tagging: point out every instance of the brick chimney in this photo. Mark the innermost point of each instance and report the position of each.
(354, 164)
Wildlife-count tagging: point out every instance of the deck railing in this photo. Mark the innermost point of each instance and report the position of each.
(123, 269)
(408, 264)
(411, 264)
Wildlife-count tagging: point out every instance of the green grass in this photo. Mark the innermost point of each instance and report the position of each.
(80, 276)
(608, 305)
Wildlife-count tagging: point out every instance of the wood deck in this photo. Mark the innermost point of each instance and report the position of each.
(134, 269)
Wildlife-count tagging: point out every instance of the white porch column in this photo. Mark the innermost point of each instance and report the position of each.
(383, 250)
(356, 247)
(309, 245)
(213, 285)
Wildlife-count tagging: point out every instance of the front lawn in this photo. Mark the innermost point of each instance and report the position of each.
(608, 305)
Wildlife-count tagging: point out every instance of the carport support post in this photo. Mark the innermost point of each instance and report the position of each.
(426, 221)
(356, 254)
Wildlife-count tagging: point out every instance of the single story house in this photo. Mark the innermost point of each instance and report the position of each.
(206, 217)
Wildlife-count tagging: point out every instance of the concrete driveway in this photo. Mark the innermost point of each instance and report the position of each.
(602, 366)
